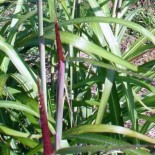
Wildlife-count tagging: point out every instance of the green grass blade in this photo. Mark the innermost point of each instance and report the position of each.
(98, 32)
(25, 108)
(23, 18)
(131, 105)
(114, 107)
(19, 64)
(3, 79)
(27, 87)
(137, 98)
(11, 132)
(90, 47)
(148, 34)
(148, 101)
(136, 45)
(107, 129)
(31, 103)
(136, 82)
(104, 149)
(27, 142)
(52, 6)
(35, 150)
(145, 127)
(110, 67)
(140, 51)
(129, 17)
(105, 7)
(148, 124)
(18, 8)
(18, 106)
(98, 139)
(105, 95)
(126, 23)
(105, 28)
(86, 103)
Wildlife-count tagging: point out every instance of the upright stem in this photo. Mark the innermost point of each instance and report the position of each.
(42, 51)
(47, 145)
(60, 88)
(71, 54)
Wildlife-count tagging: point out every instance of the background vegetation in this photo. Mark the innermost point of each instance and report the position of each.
(109, 96)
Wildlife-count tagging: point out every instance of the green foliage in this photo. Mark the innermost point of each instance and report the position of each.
(103, 87)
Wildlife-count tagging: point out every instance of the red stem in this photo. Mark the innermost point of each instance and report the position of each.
(58, 42)
(60, 87)
(47, 145)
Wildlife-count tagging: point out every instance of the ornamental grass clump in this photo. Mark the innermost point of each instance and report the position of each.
(111, 99)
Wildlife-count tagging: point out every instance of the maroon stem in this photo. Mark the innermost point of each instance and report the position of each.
(47, 145)
(60, 87)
